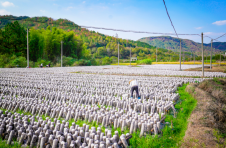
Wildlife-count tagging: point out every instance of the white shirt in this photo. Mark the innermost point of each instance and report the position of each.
(133, 83)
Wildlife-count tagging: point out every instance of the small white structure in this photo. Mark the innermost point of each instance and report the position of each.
(133, 58)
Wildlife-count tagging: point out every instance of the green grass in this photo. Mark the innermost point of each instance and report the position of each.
(217, 80)
(14, 144)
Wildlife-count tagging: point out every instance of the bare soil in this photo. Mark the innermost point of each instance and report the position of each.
(207, 122)
(207, 68)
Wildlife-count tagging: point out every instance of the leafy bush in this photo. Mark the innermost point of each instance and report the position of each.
(20, 61)
(106, 61)
(68, 61)
(94, 62)
(82, 62)
(145, 61)
(208, 61)
(41, 61)
(57, 65)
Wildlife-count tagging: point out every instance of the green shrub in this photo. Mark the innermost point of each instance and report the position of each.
(106, 61)
(93, 61)
(41, 61)
(208, 61)
(8, 66)
(145, 61)
(57, 65)
(68, 61)
(20, 61)
(82, 62)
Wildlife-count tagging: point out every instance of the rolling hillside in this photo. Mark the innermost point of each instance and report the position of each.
(173, 44)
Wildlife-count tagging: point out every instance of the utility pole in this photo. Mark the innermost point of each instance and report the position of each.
(62, 53)
(191, 56)
(211, 54)
(183, 57)
(156, 55)
(130, 56)
(194, 58)
(180, 54)
(118, 54)
(27, 49)
(202, 56)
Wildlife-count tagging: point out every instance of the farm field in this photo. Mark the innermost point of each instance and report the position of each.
(91, 106)
(215, 68)
(168, 70)
(189, 63)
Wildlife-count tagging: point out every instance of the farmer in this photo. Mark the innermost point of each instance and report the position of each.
(134, 86)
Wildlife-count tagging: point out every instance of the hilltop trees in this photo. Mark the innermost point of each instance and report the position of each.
(13, 40)
(43, 44)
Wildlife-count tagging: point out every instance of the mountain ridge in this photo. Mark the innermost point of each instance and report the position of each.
(187, 45)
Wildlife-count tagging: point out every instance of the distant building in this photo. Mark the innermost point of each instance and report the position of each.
(133, 58)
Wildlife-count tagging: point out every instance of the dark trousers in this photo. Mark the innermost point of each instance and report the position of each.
(134, 88)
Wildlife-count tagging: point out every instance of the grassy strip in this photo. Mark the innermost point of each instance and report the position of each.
(170, 137)
(3, 144)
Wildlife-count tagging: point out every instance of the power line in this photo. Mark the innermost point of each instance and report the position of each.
(170, 18)
(121, 30)
(220, 36)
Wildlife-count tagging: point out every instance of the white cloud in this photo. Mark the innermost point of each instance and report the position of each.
(208, 33)
(70, 7)
(104, 7)
(4, 12)
(223, 22)
(84, 2)
(198, 28)
(42, 11)
(7, 4)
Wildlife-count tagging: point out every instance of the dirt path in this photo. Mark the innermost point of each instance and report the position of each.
(207, 118)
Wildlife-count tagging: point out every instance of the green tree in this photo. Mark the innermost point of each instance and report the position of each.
(13, 39)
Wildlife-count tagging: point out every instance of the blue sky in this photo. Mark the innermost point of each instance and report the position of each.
(188, 16)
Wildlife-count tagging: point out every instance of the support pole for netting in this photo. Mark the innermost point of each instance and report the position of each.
(191, 56)
(183, 57)
(194, 57)
(27, 50)
(118, 54)
(211, 54)
(202, 56)
(62, 53)
(180, 54)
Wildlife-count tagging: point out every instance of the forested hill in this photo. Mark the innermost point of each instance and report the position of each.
(173, 44)
(99, 45)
